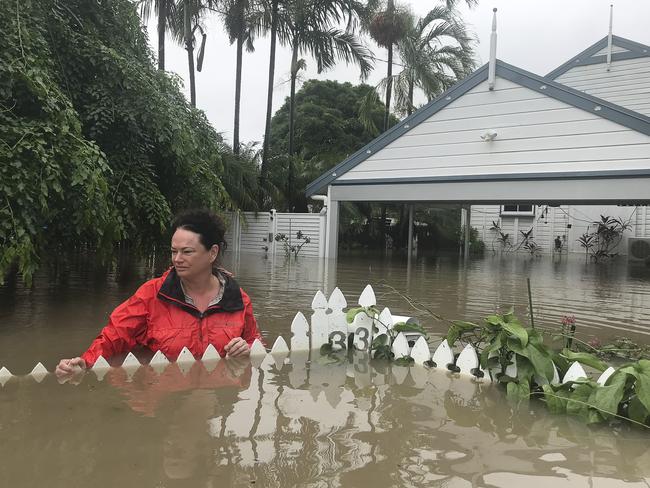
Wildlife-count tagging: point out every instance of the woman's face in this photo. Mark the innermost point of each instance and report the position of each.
(189, 255)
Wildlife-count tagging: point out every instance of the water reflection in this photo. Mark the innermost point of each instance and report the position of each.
(299, 421)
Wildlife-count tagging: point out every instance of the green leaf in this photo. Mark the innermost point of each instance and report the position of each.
(404, 361)
(457, 329)
(352, 313)
(404, 327)
(517, 331)
(542, 364)
(585, 358)
(642, 386)
(496, 320)
(577, 400)
(380, 340)
(556, 401)
(637, 411)
(607, 398)
(518, 391)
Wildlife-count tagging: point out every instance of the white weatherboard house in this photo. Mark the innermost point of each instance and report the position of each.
(549, 153)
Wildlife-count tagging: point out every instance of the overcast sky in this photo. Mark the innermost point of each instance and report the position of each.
(536, 35)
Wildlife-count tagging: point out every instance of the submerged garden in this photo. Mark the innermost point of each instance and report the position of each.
(99, 148)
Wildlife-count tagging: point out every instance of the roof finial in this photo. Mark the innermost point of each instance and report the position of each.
(492, 67)
(609, 38)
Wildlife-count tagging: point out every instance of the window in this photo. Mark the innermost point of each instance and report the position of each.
(518, 210)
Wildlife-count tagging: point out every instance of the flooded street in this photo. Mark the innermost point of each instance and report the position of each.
(312, 421)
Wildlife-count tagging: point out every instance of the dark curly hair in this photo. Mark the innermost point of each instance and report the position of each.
(208, 225)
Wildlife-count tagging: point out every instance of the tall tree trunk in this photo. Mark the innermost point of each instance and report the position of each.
(269, 98)
(409, 109)
(389, 87)
(292, 124)
(235, 136)
(292, 98)
(390, 10)
(162, 20)
(189, 46)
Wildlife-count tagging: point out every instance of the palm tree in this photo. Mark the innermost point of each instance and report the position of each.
(271, 22)
(163, 9)
(387, 27)
(435, 52)
(186, 19)
(307, 27)
(242, 19)
(240, 177)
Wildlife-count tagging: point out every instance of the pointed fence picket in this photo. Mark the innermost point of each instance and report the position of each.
(575, 372)
(384, 322)
(210, 354)
(185, 356)
(257, 348)
(299, 330)
(131, 362)
(400, 347)
(101, 364)
(420, 351)
(319, 321)
(467, 361)
(39, 372)
(443, 356)
(280, 346)
(337, 325)
(605, 376)
(5, 376)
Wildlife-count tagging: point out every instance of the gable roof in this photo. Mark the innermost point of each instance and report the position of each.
(588, 56)
(558, 91)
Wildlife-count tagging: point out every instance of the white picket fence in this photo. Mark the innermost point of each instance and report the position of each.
(254, 232)
(328, 324)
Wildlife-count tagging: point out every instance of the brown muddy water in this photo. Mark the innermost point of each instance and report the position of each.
(309, 421)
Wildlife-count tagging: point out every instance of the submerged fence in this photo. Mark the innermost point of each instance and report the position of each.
(328, 325)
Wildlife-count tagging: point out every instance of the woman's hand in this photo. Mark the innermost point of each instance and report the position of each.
(69, 367)
(237, 348)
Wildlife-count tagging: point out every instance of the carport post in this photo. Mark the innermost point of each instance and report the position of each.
(468, 212)
(410, 244)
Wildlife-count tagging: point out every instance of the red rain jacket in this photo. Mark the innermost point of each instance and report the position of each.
(158, 318)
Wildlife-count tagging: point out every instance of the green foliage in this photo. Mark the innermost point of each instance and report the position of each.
(406, 327)
(626, 394)
(602, 242)
(502, 338)
(370, 311)
(97, 146)
(584, 358)
(327, 127)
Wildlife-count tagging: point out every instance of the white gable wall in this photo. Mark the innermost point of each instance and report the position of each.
(627, 83)
(535, 134)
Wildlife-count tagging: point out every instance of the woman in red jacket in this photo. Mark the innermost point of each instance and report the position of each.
(192, 305)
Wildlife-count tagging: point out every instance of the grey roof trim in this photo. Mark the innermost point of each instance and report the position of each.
(576, 98)
(586, 57)
(397, 130)
(572, 175)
